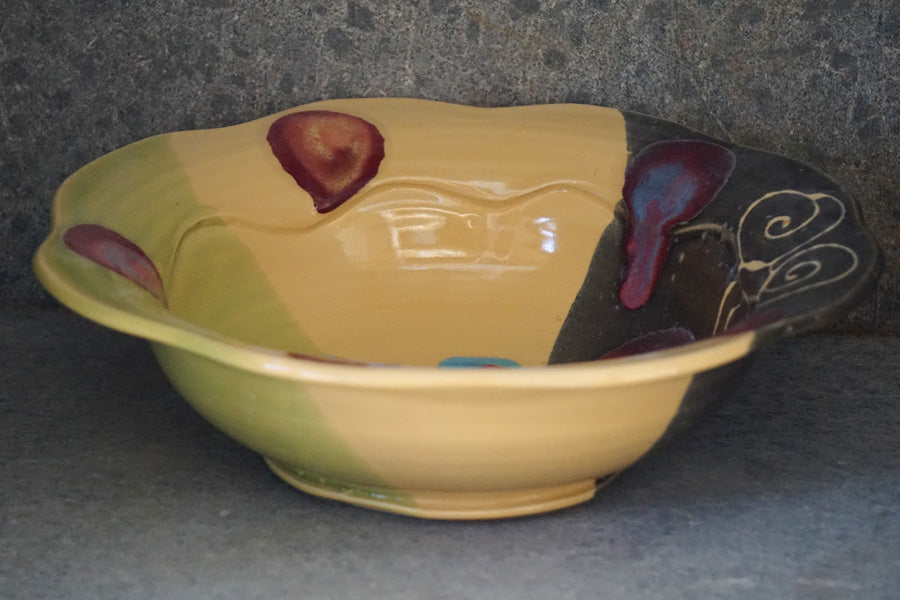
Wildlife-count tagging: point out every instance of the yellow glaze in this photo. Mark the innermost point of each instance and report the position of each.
(441, 443)
(461, 237)
(472, 239)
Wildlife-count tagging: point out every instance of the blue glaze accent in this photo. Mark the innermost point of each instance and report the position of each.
(670, 186)
(468, 362)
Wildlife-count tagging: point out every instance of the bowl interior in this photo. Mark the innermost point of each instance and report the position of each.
(409, 233)
(409, 276)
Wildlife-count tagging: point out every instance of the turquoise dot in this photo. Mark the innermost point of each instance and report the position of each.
(467, 362)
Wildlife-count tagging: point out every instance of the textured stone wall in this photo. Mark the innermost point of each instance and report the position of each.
(817, 80)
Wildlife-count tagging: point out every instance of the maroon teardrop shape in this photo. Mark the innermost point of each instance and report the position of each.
(668, 183)
(117, 253)
(329, 154)
(651, 342)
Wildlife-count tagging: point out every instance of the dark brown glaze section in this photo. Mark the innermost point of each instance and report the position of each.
(704, 395)
(713, 251)
(704, 259)
(686, 296)
(756, 174)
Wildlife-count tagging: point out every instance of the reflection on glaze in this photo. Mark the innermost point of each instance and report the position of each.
(547, 228)
(331, 155)
(652, 342)
(113, 251)
(415, 231)
(457, 233)
(668, 183)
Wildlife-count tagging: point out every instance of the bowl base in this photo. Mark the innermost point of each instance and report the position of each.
(430, 504)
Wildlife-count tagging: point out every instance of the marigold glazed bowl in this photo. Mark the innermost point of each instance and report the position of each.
(448, 311)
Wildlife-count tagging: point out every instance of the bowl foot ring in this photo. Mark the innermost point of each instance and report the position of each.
(441, 504)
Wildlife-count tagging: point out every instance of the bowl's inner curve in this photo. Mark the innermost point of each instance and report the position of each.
(414, 274)
(411, 233)
(472, 240)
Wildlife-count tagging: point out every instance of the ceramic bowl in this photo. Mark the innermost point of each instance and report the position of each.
(447, 311)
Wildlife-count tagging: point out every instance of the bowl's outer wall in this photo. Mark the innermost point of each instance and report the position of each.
(477, 439)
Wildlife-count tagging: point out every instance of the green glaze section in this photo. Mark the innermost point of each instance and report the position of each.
(235, 298)
(275, 417)
(212, 281)
(139, 191)
(376, 494)
(143, 193)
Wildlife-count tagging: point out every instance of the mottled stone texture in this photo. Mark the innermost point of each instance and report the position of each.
(817, 80)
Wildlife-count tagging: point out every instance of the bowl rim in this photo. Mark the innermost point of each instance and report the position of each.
(184, 336)
(702, 355)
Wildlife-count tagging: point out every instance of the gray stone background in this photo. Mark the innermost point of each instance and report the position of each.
(816, 80)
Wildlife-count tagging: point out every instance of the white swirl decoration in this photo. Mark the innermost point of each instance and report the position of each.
(783, 250)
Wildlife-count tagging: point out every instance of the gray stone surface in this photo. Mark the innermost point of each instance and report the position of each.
(818, 80)
(113, 488)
